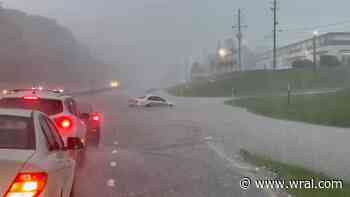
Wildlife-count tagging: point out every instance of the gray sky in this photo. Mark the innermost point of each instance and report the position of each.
(161, 33)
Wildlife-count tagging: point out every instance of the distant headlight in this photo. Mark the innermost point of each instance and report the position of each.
(114, 84)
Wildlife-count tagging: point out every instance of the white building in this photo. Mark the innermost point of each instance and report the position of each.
(335, 44)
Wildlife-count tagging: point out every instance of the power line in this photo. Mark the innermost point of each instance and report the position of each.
(304, 29)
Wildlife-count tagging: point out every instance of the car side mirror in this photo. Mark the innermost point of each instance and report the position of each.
(74, 143)
(84, 116)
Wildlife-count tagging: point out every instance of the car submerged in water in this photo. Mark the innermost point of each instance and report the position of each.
(150, 101)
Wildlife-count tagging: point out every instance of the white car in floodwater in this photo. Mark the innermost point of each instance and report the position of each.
(149, 101)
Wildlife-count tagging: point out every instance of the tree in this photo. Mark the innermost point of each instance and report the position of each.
(196, 68)
(329, 60)
(302, 63)
(212, 62)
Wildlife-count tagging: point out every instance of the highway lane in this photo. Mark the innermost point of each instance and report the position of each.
(154, 152)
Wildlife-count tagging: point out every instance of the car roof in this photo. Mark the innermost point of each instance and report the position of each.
(16, 112)
(41, 94)
(149, 95)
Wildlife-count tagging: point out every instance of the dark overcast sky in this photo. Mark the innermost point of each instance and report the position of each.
(164, 32)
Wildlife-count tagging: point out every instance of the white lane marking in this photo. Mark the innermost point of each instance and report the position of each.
(116, 143)
(114, 151)
(233, 162)
(113, 164)
(111, 183)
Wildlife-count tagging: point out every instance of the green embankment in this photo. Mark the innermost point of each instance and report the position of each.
(332, 109)
(289, 172)
(251, 83)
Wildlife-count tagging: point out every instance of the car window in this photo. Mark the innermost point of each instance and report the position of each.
(74, 107)
(47, 106)
(71, 106)
(16, 133)
(160, 99)
(156, 98)
(55, 133)
(68, 105)
(152, 98)
(50, 138)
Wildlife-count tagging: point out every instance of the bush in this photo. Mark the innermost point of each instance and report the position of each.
(329, 60)
(302, 63)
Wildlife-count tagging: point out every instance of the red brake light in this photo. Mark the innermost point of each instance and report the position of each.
(27, 185)
(31, 97)
(96, 117)
(64, 122)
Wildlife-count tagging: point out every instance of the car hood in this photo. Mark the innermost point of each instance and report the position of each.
(11, 162)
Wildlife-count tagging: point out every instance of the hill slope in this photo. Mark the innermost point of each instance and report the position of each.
(35, 48)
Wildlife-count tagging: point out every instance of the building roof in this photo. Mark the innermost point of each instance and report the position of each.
(309, 39)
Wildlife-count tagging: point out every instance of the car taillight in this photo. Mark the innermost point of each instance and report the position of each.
(64, 122)
(31, 98)
(27, 185)
(96, 117)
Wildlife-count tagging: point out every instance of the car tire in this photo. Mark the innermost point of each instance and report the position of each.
(82, 157)
(148, 105)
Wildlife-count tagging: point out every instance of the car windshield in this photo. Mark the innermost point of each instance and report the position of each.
(16, 133)
(47, 106)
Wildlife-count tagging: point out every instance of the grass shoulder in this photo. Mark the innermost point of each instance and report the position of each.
(332, 109)
(264, 82)
(290, 172)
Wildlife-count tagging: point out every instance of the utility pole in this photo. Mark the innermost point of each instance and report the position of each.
(314, 50)
(275, 23)
(239, 36)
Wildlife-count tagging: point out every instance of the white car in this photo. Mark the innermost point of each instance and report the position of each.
(33, 158)
(61, 108)
(150, 101)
